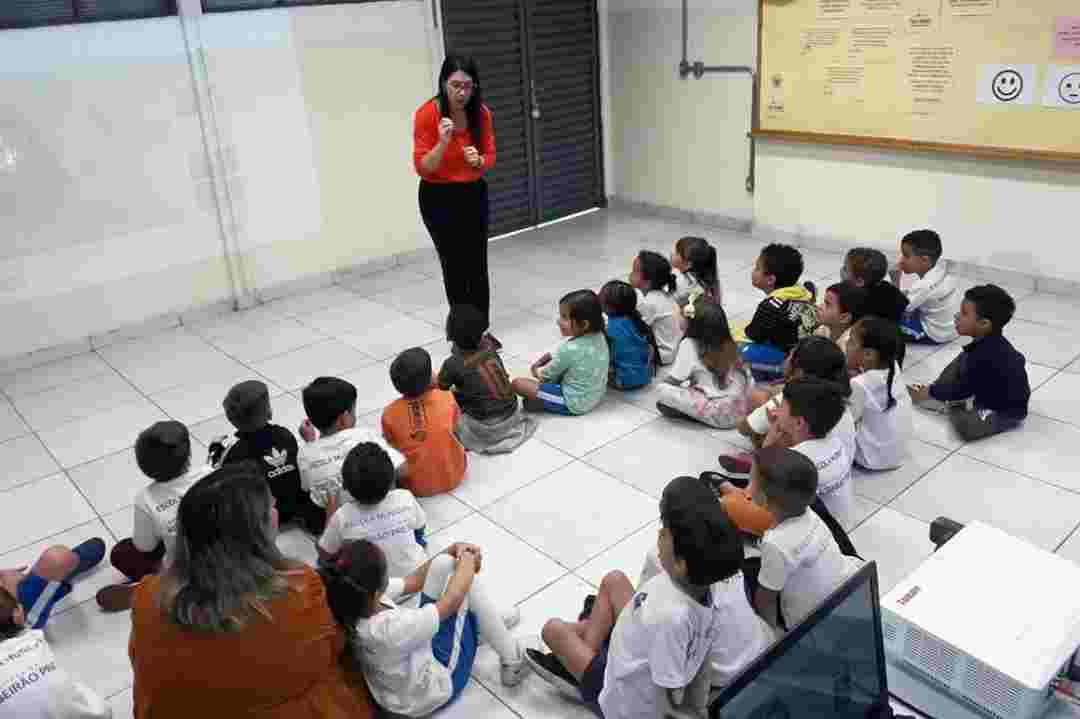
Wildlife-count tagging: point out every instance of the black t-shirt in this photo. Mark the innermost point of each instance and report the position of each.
(274, 448)
(480, 384)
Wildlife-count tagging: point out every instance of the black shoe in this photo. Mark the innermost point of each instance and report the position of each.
(586, 609)
(669, 412)
(550, 669)
(532, 405)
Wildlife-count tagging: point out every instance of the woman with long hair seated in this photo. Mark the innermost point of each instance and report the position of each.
(231, 627)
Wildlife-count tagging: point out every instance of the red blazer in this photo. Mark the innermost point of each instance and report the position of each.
(453, 168)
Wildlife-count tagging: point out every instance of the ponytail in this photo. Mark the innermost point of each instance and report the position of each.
(888, 386)
(620, 300)
(701, 259)
(646, 331)
(884, 337)
(656, 270)
(356, 576)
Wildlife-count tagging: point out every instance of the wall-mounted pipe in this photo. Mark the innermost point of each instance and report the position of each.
(698, 69)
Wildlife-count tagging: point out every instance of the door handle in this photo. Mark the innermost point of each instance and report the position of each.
(535, 104)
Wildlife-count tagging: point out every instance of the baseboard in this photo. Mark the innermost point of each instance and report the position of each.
(716, 220)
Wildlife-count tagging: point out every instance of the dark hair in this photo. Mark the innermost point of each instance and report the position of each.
(924, 243)
(8, 605)
(884, 337)
(788, 479)
(620, 300)
(474, 107)
(991, 303)
(700, 256)
(411, 372)
(869, 265)
(584, 306)
(709, 325)
(357, 573)
(163, 450)
(465, 327)
(247, 406)
(367, 473)
(783, 262)
(820, 402)
(820, 358)
(850, 298)
(656, 270)
(326, 399)
(702, 534)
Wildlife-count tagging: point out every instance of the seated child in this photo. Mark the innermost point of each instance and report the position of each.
(163, 453)
(867, 268)
(932, 300)
(377, 512)
(843, 307)
(491, 421)
(882, 416)
(330, 404)
(272, 447)
(801, 563)
(686, 628)
(694, 260)
(416, 661)
(27, 598)
(784, 317)
(708, 362)
(34, 685)
(421, 425)
(575, 380)
(990, 370)
(651, 277)
(634, 351)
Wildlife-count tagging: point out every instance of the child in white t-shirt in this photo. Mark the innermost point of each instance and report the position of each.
(801, 564)
(684, 629)
(839, 311)
(330, 404)
(418, 660)
(708, 382)
(933, 300)
(388, 517)
(651, 276)
(33, 685)
(883, 418)
(696, 271)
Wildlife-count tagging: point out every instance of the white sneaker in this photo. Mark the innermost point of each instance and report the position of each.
(512, 672)
(511, 617)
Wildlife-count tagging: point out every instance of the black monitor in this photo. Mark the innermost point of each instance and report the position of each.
(831, 665)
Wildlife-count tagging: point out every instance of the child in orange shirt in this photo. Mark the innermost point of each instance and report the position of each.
(421, 424)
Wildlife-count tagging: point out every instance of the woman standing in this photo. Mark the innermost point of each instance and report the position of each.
(232, 628)
(453, 147)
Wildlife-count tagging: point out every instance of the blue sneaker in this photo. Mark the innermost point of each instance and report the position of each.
(90, 553)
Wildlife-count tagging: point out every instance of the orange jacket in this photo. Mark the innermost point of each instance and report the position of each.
(453, 167)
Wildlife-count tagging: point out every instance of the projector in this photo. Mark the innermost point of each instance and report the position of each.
(982, 627)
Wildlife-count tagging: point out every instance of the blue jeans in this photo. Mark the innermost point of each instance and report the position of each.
(911, 326)
(766, 361)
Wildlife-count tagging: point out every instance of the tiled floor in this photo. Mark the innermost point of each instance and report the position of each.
(576, 501)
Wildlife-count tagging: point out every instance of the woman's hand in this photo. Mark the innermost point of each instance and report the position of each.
(472, 156)
(446, 130)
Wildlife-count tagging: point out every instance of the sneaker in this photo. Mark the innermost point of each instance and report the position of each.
(90, 554)
(713, 480)
(511, 617)
(669, 412)
(552, 671)
(512, 672)
(116, 597)
(532, 405)
(736, 467)
(586, 609)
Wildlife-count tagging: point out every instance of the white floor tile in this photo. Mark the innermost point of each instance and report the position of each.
(559, 513)
(533, 698)
(609, 421)
(884, 486)
(250, 344)
(1042, 448)
(11, 424)
(92, 646)
(1054, 310)
(351, 318)
(296, 369)
(1042, 344)
(240, 322)
(83, 440)
(122, 704)
(897, 542)
(111, 482)
(1056, 398)
(42, 509)
(307, 303)
(491, 477)
(378, 389)
(75, 400)
(861, 510)
(964, 489)
(562, 599)
(414, 298)
(398, 278)
(24, 460)
(384, 340)
(53, 374)
(477, 701)
(121, 522)
(529, 336)
(442, 510)
(628, 556)
(195, 403)
(1071, 548)
(935, 428)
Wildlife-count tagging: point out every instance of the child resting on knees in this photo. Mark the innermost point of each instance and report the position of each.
(989, 370)
(421, 425)
(932, 300)
(634, 352)
(376, 511)
(661, 647)
(491, 420)
(651, 276)
(163, 453)
(694, 261)
(416, 661)
(882, 414)
(842, 308)
(708, 359)
(27, 598)
(801, 563)
(575, 379)
(867, 268)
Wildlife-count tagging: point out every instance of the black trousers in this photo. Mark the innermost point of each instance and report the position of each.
(456, 216)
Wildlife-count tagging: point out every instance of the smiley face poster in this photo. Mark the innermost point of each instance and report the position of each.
(1062, 87)
(1008, 85)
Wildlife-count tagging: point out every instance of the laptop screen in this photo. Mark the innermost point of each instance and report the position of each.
(831, 665)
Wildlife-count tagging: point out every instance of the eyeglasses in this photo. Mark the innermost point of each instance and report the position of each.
(461, 86)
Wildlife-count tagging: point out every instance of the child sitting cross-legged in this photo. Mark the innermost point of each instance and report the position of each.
(842, 308)
(634, 352)
(29, 595)
(932, 299)
(708, 362)
(694, 261)
(421, 425)
(418, 660)
(867, 269)
(651, 276)
(880, 406)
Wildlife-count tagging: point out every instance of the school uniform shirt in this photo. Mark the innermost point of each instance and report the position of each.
(394, 649)
(885, 300)
(661, 313)
(580, 365)
(422, 429)
(783, 318)
(833, 455)
(320, 462)
(275, 449)
(631, 354)
(801, 560)
(935, 294)
(881, 432)
(480, 384)
(392, 524)
(155, 511)
(994, 373)
(689, 367)
(33, 686)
